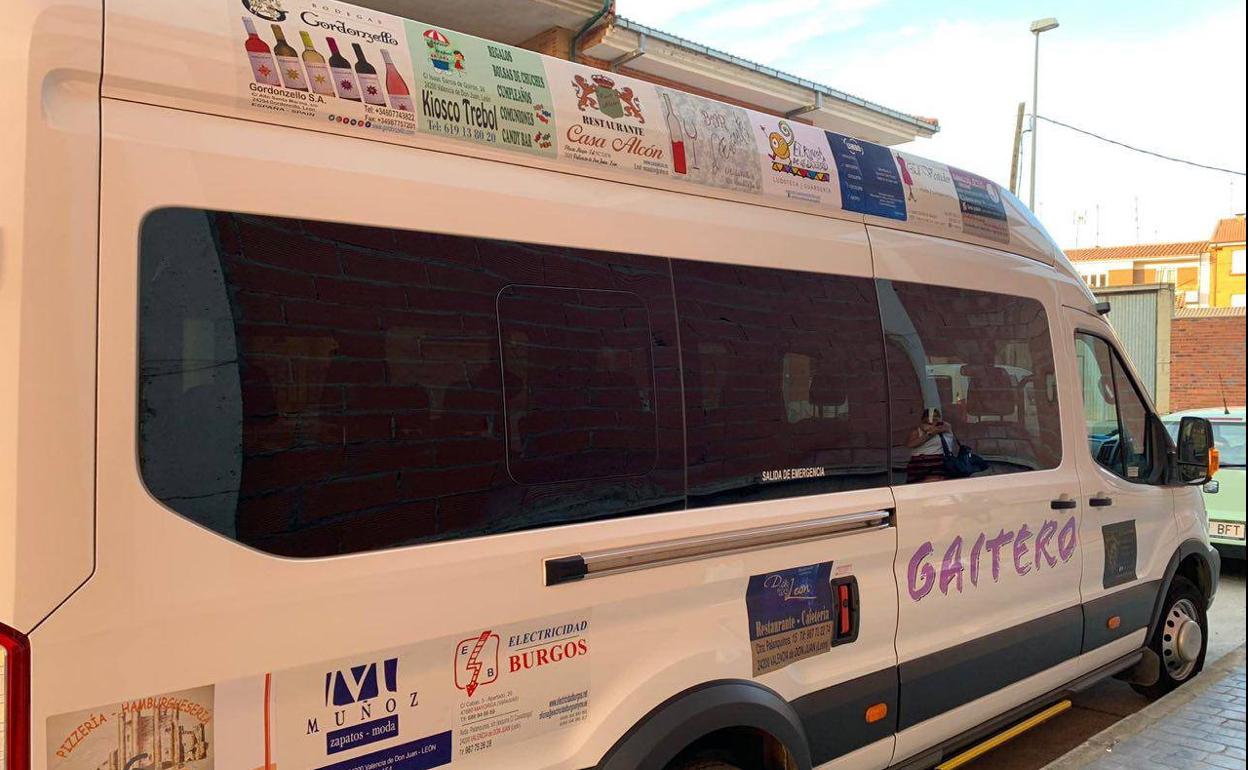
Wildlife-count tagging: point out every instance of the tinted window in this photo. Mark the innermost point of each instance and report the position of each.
(968, 369)
(783, 375)
(1114, 411)
(312, 388)
(578, 383)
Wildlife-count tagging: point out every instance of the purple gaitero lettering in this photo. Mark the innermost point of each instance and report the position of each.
(1020, 550)
(1047, 530)
(1067, 538)
(926, 571)
(995, 545)
(977, 550)
(951, 566)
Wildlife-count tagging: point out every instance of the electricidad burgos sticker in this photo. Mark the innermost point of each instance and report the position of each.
(429, 704)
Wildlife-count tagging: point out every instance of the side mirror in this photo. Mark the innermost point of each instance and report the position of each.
(1197, 456)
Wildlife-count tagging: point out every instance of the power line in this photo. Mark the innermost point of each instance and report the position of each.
(1138, 149)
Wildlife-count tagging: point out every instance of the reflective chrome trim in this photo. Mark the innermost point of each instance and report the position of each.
(634, 557)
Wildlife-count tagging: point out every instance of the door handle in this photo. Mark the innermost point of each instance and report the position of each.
(1100, 502)
(566, 569)
(1063, 504)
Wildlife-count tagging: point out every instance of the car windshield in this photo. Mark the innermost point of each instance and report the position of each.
(1227, 436)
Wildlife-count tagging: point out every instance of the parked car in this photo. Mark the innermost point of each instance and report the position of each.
(1224, 495)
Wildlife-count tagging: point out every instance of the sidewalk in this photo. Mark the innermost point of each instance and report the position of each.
(1197, 727)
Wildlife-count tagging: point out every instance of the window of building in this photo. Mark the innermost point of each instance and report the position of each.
(1237, 300)
(1115, 413)
(1097, 280)
(578, 384)
(783, 374)
(968, 369)
(312, 388)
(1168, 274)
(1237, 262)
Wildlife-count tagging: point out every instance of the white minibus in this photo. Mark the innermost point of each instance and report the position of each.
(375, 396)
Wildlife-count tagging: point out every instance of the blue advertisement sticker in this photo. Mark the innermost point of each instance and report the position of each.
(983, 210)
(870, 183)
(421, 754)
(790, 615)
(361, 734)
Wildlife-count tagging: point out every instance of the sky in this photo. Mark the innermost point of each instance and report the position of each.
(1163, 76)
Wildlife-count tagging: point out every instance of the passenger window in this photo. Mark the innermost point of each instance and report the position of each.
(783, 383)
(971, 375)
(578, 384)
(1116, 415)
(312, 388)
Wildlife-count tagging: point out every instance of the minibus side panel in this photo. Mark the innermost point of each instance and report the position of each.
(1130, 532)
(176, 608)
(987, 568)
(49, 82)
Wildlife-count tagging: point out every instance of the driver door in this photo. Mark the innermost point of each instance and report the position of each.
(1129, 522)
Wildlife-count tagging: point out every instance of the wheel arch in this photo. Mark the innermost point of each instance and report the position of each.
(1196, 561)
(712, 707)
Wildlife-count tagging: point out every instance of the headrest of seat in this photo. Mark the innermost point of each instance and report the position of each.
(990, 391)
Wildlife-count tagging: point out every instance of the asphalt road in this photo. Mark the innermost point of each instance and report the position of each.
(1111, 700)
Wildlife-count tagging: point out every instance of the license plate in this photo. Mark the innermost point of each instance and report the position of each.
(1227, 529)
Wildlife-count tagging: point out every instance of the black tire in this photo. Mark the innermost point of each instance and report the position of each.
(1182, 600)
(702, 764)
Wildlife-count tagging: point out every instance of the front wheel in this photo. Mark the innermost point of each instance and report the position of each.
(1180, 639)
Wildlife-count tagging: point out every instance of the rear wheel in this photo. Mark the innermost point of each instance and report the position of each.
(1180, 639)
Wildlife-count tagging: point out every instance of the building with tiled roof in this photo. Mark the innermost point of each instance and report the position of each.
(1226, 263)
(1205, 273)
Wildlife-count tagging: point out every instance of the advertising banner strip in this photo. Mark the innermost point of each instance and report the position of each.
(367, 73)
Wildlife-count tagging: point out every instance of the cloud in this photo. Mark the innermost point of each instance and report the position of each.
(752, 29)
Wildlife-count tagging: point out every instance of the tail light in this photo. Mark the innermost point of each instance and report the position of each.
(14, 700)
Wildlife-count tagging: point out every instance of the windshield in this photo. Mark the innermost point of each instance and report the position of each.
(1227, 436)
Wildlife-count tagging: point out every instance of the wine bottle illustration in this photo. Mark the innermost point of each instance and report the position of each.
(344, 77)
(263, 68)
(370, 85)
(288, 61)
(396, 87)
(677, 131)
(320, 79)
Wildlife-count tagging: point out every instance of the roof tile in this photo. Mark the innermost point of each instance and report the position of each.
(1141, 251)
(1230, 230)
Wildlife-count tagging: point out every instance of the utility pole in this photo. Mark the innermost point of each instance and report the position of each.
(1018, 147)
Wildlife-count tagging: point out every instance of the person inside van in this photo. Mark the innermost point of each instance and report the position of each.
(928, 443)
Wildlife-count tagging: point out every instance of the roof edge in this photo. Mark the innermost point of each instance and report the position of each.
(928, 126)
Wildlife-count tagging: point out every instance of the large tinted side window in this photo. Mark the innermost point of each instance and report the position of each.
(784, 382)
(312, 388)
(968, 369)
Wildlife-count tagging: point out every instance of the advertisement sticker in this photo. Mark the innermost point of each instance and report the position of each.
(796, 162)
(421, 706)
(610, 120)
(870, 179)
(328, 62)
(484, 92)
(170, 730)
(983, 211)
(711, 142)
(790, 615)
(520, 681)
(931, 198)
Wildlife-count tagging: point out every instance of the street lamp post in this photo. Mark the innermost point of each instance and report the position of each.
(1038, 26)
